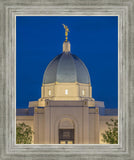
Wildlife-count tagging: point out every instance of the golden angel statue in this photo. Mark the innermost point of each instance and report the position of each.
(66, 31)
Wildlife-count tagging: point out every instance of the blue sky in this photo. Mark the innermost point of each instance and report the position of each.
(93, 39)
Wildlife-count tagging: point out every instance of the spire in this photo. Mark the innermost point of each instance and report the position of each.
(66, 44)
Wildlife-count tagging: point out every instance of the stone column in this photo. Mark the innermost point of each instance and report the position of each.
(36, 129)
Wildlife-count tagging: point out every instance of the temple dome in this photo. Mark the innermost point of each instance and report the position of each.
(66, 68)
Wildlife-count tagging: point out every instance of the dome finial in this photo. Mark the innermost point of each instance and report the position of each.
(66, 31)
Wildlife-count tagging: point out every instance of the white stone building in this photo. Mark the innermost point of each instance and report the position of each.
(66, 113)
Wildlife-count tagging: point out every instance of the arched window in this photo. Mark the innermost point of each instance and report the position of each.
(49, 92)
(83, 92)
(66, 91)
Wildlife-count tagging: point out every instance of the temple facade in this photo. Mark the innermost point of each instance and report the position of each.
(66, 113)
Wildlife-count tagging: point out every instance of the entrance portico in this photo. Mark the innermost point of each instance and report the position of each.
(68, 122)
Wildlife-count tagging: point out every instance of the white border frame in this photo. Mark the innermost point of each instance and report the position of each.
(9, 10)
